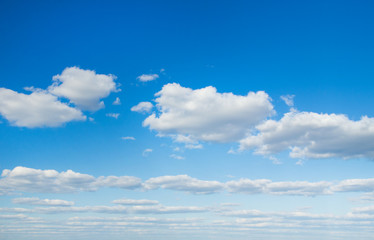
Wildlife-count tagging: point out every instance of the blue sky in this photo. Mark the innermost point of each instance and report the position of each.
(186, 120)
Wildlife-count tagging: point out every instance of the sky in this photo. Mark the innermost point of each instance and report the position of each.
(186, 120)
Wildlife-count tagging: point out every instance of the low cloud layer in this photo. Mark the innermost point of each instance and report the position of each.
(22, 179)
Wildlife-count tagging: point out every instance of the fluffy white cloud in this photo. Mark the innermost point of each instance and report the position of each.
(38, 109)
(313, 135)
(204, 114)
(84, 88)
(184, 183)
(43, 202)
(142, 107)
(147, 77)
(128, 138)
(126, 201)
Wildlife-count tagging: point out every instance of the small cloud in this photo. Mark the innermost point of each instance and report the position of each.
(91, 119)
(146, 152)
(194, 146)
(176, 157)
(162, 70)
(300, 162)
(288, 99)
(275, 160)
(142, 107)
(117, 101)
(113, 115)
(147, 77)
(128, 138)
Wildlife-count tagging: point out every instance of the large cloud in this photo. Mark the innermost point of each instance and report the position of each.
(84, 88)
(204, 114)
(38, 109)
(313, 135)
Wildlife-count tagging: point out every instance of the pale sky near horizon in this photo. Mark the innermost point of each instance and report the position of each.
(186, 120)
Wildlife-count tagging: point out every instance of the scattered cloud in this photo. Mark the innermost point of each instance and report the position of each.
(147, 77)
(126, 201)
(142, 107)
(288, 99)
(206, 115)
(113, 115)
(146, 152)
(117, 101)
(84, 88)
(175, 156)
(313, 135)
(42, 202)
(38, 109)
(128, 138)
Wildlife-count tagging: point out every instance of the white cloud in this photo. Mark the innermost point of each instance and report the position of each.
(206, 115)
(313, 135)
(117, 101)
(128, 138)
(266, 186)
(175, 156)
(142, 107)
(38, 109)
(42, 202)
(355, 185)
(147, 77)
(146, 152)
(22, 179)
(84, 88)
(126, 201)
(113, 115)
(288, 99)
(184, 183)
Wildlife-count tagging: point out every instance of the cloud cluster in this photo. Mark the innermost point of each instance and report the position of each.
(22, 179)
(45, 108)
(206, 115)
(313, 135)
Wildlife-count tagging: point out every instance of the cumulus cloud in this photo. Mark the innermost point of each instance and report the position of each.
(206, 115)
(142, 107)
(183, 183)
(42, 202)
(38, 109)
(84, 88)
(266, 186)
(313, 135)
(22, 179)
(117, 101)
(146, 152)
(147, 77)
(126, 201)
(355, 185)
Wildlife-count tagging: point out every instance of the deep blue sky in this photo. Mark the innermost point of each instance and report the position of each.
(320, 51)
